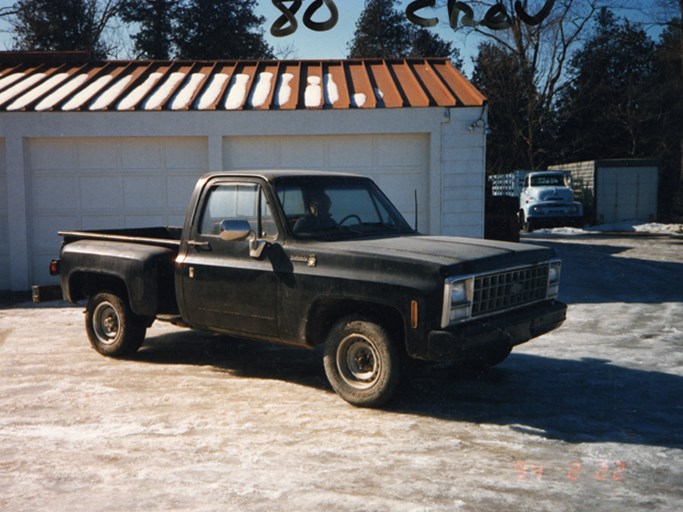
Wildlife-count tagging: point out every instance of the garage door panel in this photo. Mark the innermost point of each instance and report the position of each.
(46, 188)
(299, 153)
(53, 154)
(45, 229)
(143, 192)
(398, 163)
(402, 151)
(94, 222)
(101, 193)
(187, 154)
(141, 221)
(99, 154)
(107, 183)
(350, 152)
(179, 191)
(400, 189)
(144, 153)
(250, 152)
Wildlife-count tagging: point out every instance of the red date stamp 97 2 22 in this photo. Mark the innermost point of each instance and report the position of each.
(573, 471)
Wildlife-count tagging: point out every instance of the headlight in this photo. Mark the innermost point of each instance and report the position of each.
(457, 300)
(554, 278)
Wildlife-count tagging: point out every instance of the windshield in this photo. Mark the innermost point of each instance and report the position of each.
(549, 180)
(333, 208)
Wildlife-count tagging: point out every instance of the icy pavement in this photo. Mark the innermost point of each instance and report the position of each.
(589, 417)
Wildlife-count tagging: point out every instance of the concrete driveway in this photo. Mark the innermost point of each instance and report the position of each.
(589, 417)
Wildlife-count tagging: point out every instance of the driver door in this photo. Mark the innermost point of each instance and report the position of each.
(224, 288)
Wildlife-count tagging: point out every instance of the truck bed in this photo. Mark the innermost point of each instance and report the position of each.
(160, 236)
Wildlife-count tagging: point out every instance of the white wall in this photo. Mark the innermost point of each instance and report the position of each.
(4, 232)
(464, 178)
(99, 146)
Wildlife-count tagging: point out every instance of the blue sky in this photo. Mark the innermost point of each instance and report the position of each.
(307, 44)
(332, 44)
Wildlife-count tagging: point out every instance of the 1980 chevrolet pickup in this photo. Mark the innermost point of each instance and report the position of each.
(305, 258)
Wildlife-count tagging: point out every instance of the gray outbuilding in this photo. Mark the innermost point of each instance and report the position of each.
(614, 191)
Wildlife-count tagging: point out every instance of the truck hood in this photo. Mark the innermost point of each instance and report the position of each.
(447, 255)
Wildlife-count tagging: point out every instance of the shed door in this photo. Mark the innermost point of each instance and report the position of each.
(626, 193)
(100, 182)
(398, 163)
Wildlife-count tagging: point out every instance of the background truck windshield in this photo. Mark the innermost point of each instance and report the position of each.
(549, 180)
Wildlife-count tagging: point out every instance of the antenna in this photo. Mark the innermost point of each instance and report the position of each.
(416, 209)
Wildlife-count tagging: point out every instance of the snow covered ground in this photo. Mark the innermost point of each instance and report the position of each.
(589, 417)
(651, 228)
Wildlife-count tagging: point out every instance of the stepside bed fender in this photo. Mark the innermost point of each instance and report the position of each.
(145, 271)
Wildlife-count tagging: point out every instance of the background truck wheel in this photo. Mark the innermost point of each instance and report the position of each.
(526, 225)
(113, 329)
(361, 362)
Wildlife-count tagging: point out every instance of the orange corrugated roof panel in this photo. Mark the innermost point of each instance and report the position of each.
(72, 85)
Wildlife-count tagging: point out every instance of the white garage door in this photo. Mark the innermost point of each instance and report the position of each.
(4, 228)
(99, 183)
(399, 163)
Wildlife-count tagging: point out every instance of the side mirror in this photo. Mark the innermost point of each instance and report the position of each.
(232, 230)
(240, 230)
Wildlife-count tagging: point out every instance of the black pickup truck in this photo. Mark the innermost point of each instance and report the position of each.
(305, 258)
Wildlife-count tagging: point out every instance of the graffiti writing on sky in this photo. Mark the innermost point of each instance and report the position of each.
(460, 14)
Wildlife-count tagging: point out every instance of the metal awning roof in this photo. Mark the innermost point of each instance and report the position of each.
(70, 84)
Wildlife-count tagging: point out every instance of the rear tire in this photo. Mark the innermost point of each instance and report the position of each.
(112, 328)
(361, 362)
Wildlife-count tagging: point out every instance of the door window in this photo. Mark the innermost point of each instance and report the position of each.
(238, 201)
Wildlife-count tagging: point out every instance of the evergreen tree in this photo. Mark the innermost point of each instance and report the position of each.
(424, 43)
(221, 29)
(61, 25)
(381, 32)
(384, 32)
(669, 79)
(610, 108)
(156, 21)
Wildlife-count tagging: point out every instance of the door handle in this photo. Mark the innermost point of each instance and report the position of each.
(199, 245)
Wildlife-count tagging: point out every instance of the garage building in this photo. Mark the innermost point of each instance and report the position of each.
(107, 144)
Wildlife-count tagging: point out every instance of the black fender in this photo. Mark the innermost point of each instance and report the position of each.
(145, 272)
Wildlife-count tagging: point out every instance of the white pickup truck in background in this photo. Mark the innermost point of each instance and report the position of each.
(545, 198)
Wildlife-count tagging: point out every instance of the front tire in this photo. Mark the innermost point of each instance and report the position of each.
(361, 362)
(112, 328)
(525, 223)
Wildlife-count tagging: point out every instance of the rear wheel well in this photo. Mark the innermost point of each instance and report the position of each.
(84, 285)
(325, 314)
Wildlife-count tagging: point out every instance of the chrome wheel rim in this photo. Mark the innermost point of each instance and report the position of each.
(358, 361)
(106, 323)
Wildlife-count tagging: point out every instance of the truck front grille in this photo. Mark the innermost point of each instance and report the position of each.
(509, 289)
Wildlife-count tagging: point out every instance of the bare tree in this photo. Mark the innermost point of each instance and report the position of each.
(540, 35)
